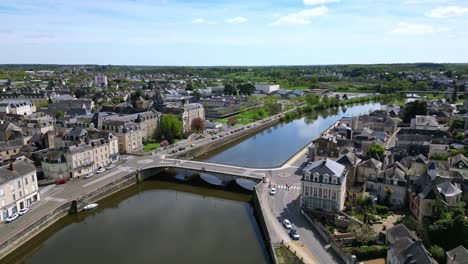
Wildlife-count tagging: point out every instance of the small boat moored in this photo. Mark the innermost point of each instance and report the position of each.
(90, 206)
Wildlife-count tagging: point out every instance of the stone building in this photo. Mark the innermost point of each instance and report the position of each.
(324, 186)
(18, 187)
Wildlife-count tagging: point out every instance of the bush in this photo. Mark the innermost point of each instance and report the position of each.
(381, 210)
(367, 252)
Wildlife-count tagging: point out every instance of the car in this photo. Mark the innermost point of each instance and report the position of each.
(193, 145)
(273, 191)
(111, 166)
(61, 181)
(287, 224)
(12, 218)
(23, 211)
(294, 235)
(100, 170)
(89, 175)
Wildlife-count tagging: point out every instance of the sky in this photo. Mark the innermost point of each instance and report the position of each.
(243, 32)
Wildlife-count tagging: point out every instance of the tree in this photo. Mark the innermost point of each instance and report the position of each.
(363, 234)
(375, 151)
(198, 124)
(232, 121)
(365, 206)
(59, 114)
(170, 127)
(229, 90)
(438, 254)
(411, 223)
(312, 99)
(413, 109)
(388, 195)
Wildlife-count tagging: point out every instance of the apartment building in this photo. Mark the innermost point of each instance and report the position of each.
(18, 187)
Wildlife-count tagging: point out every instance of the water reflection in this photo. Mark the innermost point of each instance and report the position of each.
(273, 146)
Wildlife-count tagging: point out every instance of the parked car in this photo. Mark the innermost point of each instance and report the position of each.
(273, 191)
(12, 218)
(23, 211)
(100, 170)
(61, 181)
(89, 175)
(294, 235)
(287, 224)
(111, 166)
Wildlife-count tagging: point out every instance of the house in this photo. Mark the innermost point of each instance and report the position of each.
(390, 181)
(80, 159)
(368, 170)
(424, 123)
(17, 107)
(18, 187)
(458, 255)
(405, 247)
(378, 121)
(325, 146)
(324, 186)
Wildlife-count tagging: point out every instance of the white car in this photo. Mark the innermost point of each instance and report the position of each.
(111, 166)
(273, 191)
(89, 175)
(23, 211)
(287, 224)
(100, 170)
(12, 218)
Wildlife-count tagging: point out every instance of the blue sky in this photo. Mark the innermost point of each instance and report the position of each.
(261, 32)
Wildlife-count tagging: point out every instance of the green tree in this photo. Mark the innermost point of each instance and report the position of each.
(365, 206)
(411, 223)
(414, 108)
(170, 128)
(363, 234)
(375, 151)
(59, 114)
(438, 254)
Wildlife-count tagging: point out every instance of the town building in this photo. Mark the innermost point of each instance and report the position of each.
(267, 88)
(18, 187)
(100, 80)
(324, 186)
(79, 160)
(17, 107)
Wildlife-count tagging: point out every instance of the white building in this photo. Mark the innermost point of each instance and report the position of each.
(324, 185)
(425, 123)
(100, 80)
(267, 88)
(18, 187)
(17, 107)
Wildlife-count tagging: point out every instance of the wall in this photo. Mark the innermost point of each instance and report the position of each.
(328, 238)
(264, 227)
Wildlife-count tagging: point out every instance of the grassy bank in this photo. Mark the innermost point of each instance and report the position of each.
(285, 256)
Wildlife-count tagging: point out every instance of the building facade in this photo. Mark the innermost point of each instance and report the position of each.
(324, 186)
(18, 187)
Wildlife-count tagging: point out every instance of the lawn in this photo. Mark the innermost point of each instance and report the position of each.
(151, 146)
(285, 256)
(249, 116)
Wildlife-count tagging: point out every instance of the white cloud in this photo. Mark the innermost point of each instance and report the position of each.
(417, 29)
(301, 18)
(447, 11)
(319, 2)
(237, 20)
(198, 21)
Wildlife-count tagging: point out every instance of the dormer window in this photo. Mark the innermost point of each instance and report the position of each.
(326, 178)
(316, 177)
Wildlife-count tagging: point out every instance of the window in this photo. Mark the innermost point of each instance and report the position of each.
(25, 180)
(334, 195)
(325, 193)
(33, 178)
(14, 197)
(12, 187)
(315, 192)
(19, 184)
(2, 192)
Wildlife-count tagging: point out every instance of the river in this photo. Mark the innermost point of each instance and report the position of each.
(166, 222)
(273, 146)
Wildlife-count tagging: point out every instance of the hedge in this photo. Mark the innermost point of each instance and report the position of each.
(367, 252)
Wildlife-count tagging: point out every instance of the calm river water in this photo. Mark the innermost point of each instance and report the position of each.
(164, 222)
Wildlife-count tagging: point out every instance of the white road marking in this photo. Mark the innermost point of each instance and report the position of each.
(60, 200)
(46, 189)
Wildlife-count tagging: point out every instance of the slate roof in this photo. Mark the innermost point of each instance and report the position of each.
(448, 189)
(409, 251)
(458, 255)
(20, 168)
(399, 231)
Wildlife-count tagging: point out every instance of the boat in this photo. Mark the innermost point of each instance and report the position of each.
(90, 206)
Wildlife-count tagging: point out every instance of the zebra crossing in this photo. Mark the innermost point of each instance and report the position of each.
(293, 167)
(294, 187)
